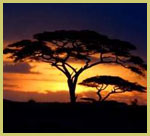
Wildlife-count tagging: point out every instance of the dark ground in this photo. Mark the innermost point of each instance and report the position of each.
(107, 117)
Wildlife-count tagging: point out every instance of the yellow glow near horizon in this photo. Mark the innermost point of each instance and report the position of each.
(50, 78)
(44, 78)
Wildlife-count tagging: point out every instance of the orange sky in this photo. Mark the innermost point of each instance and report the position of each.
(44, 83)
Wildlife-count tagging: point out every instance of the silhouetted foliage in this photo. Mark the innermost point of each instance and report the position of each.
(119, 85)
(134, 102)
(59, 47)
(31, 101)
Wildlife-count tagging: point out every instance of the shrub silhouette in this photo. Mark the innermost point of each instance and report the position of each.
(119, 85)
(31, 101)
(59, 48)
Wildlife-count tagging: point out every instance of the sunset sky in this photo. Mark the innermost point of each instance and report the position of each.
(40, 81)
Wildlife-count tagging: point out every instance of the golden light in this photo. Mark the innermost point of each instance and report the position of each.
(43, 78)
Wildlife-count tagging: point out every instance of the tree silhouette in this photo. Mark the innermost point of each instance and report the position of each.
(60, 48)
(119, 85)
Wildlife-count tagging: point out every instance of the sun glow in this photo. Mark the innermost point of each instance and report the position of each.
(43, 78)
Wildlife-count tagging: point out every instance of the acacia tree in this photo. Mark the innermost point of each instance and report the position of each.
(120, 85)
(60, 48)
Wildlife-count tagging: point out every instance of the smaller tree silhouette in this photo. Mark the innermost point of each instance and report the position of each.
(60, 48)
(119, 85)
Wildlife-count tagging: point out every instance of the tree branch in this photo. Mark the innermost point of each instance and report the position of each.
(100, 89)
(105, 87)
(112, 92)
(71, 67)
(66, 70)
(98, 92)
(60, 69)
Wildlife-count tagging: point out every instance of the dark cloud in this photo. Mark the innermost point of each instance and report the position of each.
(9, 85)
(23, 68)
(43, 79)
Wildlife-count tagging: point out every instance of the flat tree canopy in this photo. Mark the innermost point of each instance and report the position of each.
(59, 48)
(119, 85)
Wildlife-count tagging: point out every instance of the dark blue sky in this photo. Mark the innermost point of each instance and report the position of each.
(120, 21)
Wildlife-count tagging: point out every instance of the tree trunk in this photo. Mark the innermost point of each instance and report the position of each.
(72, 96)
(99, 95)
(72, 87)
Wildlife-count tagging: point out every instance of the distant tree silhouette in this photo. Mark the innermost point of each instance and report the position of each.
(60, 48)
(31, 101)
(134, 102)
(119, 85)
